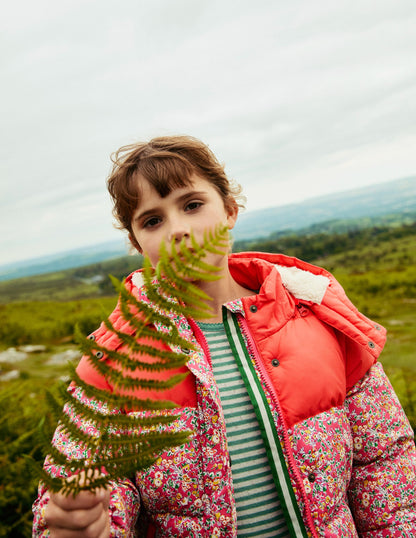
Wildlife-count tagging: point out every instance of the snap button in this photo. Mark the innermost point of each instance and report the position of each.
(371, 344)
(253, 308)
(312, 477)
(91, 337)
(377, 327)
(99, 354)
(275, 362)
(303, 311)
(186, 350)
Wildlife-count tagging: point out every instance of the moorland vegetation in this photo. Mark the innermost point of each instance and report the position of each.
(376, 266)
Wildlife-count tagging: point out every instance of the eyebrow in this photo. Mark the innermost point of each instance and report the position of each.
(179, 199)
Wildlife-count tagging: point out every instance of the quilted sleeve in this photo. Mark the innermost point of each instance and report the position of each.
(124, 499)
(382, 490)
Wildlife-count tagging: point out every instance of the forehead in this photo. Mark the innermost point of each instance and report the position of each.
(148, 194)
(144, 187)
(161, 186)
(164, 175)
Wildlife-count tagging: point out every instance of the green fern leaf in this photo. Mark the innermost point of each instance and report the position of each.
(109, 434)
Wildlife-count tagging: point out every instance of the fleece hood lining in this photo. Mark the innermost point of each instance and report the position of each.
(138, 279)
(303, 284)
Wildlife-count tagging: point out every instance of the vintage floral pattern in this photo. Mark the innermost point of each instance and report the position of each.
(381, 435)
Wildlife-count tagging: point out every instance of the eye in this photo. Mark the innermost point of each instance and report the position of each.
(152, 222)
(192, 205)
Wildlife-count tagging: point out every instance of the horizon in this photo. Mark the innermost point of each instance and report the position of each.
(297, 99)
(122, 238)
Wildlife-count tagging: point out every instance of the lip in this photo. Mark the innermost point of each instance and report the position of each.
(180, 255)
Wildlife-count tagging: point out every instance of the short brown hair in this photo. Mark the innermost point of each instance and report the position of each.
(166, 162)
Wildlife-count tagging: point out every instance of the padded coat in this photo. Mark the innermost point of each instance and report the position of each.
(347, 448)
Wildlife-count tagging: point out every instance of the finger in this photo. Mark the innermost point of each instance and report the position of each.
(99, 528)
(83, 500)
(86, 479)
(57, 518)
(104, 495)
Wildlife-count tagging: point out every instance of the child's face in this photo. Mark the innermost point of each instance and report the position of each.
(196, 207)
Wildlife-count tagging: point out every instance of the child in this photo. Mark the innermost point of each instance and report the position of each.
(297, 431)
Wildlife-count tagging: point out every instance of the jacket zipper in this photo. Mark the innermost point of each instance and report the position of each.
(291, 460)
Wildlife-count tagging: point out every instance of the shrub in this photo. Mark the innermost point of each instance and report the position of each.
(19, 407)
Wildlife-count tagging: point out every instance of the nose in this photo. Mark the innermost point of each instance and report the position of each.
(177, 231)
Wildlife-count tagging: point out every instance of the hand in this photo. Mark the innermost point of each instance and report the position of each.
(85, 515)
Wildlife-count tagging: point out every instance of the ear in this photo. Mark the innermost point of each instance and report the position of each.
(232, 212)
(135, 244)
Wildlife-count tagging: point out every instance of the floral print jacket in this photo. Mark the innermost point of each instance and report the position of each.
(345, 450)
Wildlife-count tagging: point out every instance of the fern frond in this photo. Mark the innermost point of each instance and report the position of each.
(216, 243)
(194, 305)
(123, 402)
(54, 404)
(204, 269)
(131, 306)
(165, 357)
(146, 331)
(106, 429)
(121, 380)
(95, 417)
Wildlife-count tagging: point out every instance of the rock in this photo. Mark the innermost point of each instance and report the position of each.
(34, 348)
(396, 322)
(8, 376)
(65, 356)
(12, 355)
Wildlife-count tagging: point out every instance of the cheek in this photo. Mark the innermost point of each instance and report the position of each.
(134, 242)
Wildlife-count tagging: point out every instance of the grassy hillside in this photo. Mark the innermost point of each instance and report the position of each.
(377, 268)
(71, 284)
(380, 278)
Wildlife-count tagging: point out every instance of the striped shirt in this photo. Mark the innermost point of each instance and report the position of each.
(259, 513)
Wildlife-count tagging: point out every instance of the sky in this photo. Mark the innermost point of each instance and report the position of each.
(298, 99)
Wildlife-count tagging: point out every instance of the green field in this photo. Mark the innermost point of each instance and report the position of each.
(377, 268)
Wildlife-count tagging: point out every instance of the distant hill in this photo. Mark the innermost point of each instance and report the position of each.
(379, 248)
(394, 200)
(393, 197)
(64, 260)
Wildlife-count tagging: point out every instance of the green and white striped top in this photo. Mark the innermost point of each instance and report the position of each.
(259, 513)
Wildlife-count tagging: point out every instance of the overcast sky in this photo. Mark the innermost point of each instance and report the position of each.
(299, 98)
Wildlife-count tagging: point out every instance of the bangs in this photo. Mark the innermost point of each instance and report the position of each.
(165, 172)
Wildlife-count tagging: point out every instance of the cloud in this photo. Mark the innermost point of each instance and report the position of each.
(300, 97)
